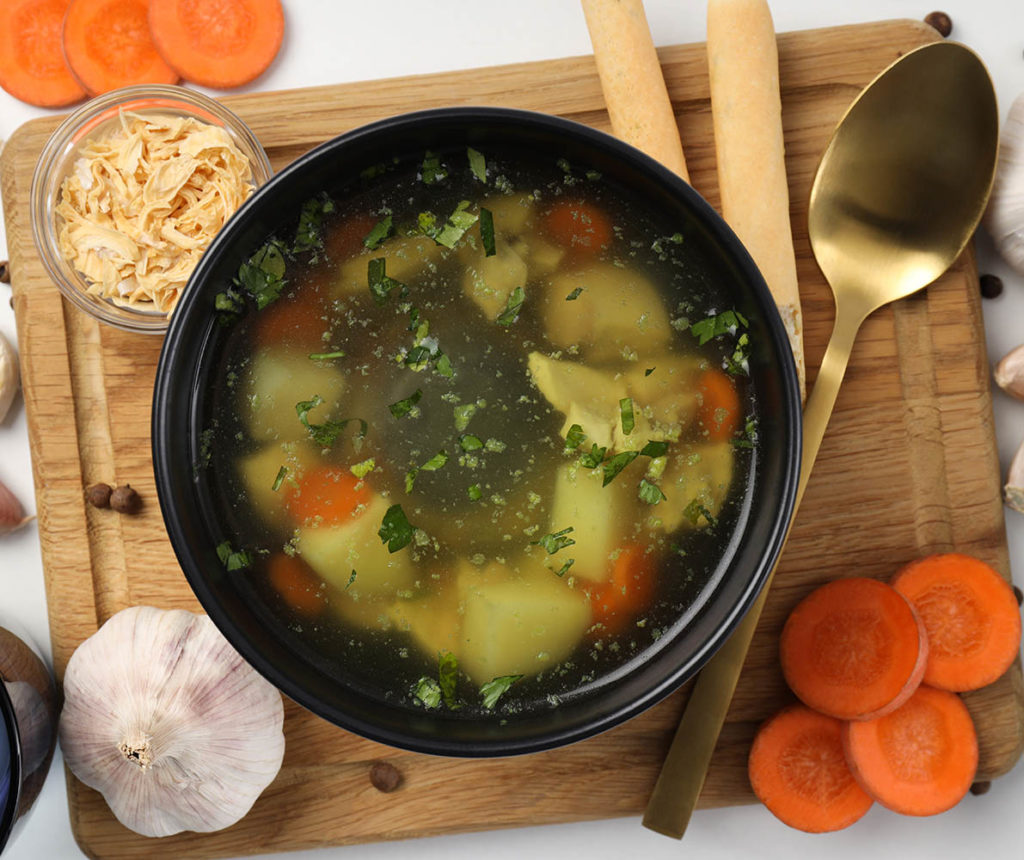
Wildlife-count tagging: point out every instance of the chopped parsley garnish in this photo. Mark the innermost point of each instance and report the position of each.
(555, 541)
(649, 371)
(650, 493)
(717, 325)
(487, 232)
(327, 356)
(282, 473)
(380, 283)
(513, 305)
(262, 275)
(626, 415)
(593, 458)
(737, 362)
(748, 437)
(455, 227)
(309, 235)
(428, 692)
(325, 434)
(229, 302)
(496, 688)
(395, 529)
(470, 442)
(381, 230)
(232, 559)
(495, 446)
(575, 294)
(474, 492)
(613, 465)
(432, 465)
(654, 448)
(403, 407)
(351, 579)
(361, 470)
(695, 510)
(464, 412)
(477, 163)
(574, 438)
(564, 569)
(443, 366)
(431, 170)
(448, 677)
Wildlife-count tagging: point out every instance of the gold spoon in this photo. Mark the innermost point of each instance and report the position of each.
(898, 194)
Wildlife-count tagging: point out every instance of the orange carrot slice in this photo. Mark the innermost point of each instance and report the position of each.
(798, 770)
(294, 320)
(854, 649)
(330, 495)
(581, 227)
(920, 759)
(107, 45)
(298, 586)
(719, 411)
(32, 65)
(220, 45)
(970, 614)
(629, 590)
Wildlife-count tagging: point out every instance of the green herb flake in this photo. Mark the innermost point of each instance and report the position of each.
(464, 412)
(229, 302)
(747, 438)
(574, 438)
(427, 692)
(326, 434)
(381, 230)
(395, 529)
(456, 226)
(555, 541)
(575, 294)
(232, 559)
(495, 446)
(470, 442)
(649, 371)
(435, 462)
(432, 170)
(513, 305)
(448, 677)
(309, 235)
(477, 163)
(593, 458)
(262, 275)
(487, 232)
(282, 473)
(474, 492)
(496, 688)
(361, 470)
(326, 356)
(379, 282)
(351, 579)
(695, 510)
(717, 325)
(626, 415)
(654, 448)
(443, 366)
(402, 408)
(736, 363)
(650, 493)
(564, 569)
(613, 465)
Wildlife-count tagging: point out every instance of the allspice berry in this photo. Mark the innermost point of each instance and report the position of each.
(980, 788)
(5, 272)
(385, 777)
(98, 495)
(991, 286)
(941, 22)
(125, 500)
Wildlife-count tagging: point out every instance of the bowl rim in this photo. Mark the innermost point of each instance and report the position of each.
(10, 735)
(73, 128)
(173, 353)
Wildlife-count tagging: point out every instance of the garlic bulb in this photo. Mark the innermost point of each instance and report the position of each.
(165, 719)
(1004, 218)
(8, 375)
(1009, 373)
(1013, 492)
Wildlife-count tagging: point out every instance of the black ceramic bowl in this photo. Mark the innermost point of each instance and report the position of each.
(181, 407)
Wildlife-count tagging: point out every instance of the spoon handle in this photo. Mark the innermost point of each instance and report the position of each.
(682, 774)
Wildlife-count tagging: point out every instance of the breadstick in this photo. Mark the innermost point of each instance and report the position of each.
(746, 110)
(631, 80)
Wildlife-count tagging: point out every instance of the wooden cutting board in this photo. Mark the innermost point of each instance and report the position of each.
(908, 467)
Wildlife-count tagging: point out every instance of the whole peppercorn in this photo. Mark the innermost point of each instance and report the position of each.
(98, 495)
(5, 272)
(941, 22)
(1018, 594)
(991, 286)
(385, 777)
(980, 788)
(125, 500)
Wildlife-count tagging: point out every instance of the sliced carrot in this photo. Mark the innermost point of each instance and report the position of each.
(719, 411)
(222, 44)
(107, 44)
(329, 495)
(920, 759)
(627, 593)
(294, 320)
(971, 616)
(32, 64)
(798, 770)
(298, 586)
(345, 239)
(580, 227)
(853, 649)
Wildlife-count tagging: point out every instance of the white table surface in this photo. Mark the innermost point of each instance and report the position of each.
(329, 42)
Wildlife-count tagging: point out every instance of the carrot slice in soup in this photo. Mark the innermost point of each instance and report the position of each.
(32, 64)
(107, 44)
(581, 227)
(970, 614)
(854, 649)
(222, 44)
(798, 770)
(920, 759)
(719, 411)
(298, 586)
(627, 592)
(294, 320)
(329, 495)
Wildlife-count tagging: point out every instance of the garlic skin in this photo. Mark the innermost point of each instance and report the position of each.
(1009, 373)
(1004, 218)
(12, 515)
(1013, 492)
(165, 719)
(8, 375)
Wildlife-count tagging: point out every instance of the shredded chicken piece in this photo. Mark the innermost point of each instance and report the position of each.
(142, 203)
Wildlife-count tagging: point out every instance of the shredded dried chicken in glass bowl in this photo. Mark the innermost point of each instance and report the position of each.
(130, 191)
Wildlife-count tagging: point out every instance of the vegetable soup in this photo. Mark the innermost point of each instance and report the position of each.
(483, 433)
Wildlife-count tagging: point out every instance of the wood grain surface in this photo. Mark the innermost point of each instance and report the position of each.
(908, 467)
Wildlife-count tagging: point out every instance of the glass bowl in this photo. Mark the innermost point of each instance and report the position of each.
(57, 160)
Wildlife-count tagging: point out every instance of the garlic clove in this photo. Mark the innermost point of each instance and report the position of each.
(1004, 218)
(165, 719)
(12, 515)
(1013, 492)
(8, 375)
(1009, 373)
